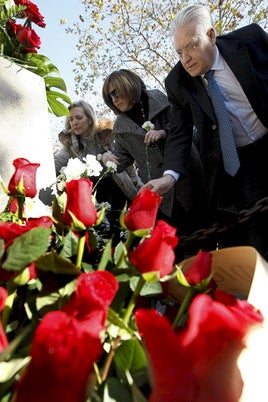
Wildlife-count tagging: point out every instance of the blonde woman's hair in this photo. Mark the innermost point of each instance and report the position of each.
(89, 111)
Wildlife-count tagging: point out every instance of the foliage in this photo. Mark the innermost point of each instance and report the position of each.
(85, 320)
(135, 35)
(20, 43)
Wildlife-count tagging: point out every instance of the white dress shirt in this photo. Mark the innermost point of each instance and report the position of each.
(246, 126)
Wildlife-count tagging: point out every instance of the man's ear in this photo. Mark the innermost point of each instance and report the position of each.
(212, 35)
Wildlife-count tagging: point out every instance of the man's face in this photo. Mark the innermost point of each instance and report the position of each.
(196, 50)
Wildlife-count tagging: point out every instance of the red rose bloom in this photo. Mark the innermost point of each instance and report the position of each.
(23, 181)
(199, 364)
(62, 358)
(98, 287)
(199, 269)
(156, 253)
(32, 12)
(9, 231)
(67, 343)
(28, 37)
(89, 303)
(143, 211)
(79, 203)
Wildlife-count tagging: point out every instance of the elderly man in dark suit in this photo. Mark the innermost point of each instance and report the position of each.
(236, 177)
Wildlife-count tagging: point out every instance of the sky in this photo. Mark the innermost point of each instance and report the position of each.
(59, 46)
(56, 44)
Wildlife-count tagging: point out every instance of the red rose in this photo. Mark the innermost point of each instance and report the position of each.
(199, 269)
(32, 12)
(67, 343)
(99, 287)
(12, 26)
(29, 50)
(62, 358)
(89, 303)
(143, 211)
(23, 181)
(156, 253)
(79, 203)
(3, 338)
(9, 231)
(199, 364)
(28, 37)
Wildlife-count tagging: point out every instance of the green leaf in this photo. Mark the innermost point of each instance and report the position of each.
(9, 369)
(148, 289)
(181, 278)
(130, 356)
(55, 82)
(2, 248)
(53, 262)
(70, 243)
(106, 256)
(26, 249)
(58, 108)
(142, 232)
(47, 302)
(114, 318)
(120, 256)
(115, 391)
(152, 276)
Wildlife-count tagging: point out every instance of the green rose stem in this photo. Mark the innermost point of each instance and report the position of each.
(97, 182)
(80, 249)
(126, 318)
(130, 237)
(21, 201)
(8, 307)
(147, 162)
(179, 319)
(132, 301)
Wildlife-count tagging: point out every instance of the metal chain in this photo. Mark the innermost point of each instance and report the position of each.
(243, 216)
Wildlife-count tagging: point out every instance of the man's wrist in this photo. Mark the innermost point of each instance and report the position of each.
(173, 174)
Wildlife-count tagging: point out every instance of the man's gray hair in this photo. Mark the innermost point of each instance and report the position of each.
(197, 13)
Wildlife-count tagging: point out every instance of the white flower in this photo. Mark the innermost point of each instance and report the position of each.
(93, 166)
(111, 166)
(148, 126)
(74, 169)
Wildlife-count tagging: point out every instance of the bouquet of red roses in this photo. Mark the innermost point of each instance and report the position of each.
(84, 320)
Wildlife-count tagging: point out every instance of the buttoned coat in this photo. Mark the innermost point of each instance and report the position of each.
(129, 146)
(246, 52)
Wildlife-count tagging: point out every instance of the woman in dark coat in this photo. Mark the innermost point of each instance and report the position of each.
(140, 131)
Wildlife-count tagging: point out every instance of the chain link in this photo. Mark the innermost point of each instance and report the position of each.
(243, 216)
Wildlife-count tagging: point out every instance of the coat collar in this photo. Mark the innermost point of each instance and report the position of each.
(157, 103)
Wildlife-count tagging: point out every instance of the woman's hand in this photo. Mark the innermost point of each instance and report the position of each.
(153, 136)
(109, 156)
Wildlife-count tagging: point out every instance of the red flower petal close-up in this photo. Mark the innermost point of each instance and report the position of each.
(25, 172)
(156, 253)
(199, 364)
(62, 358)
(199, 269)
(143, 210)
(79, 202)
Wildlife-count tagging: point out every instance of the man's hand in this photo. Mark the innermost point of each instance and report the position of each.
(161, 185)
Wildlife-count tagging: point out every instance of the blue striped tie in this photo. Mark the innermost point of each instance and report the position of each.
(228, 148)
